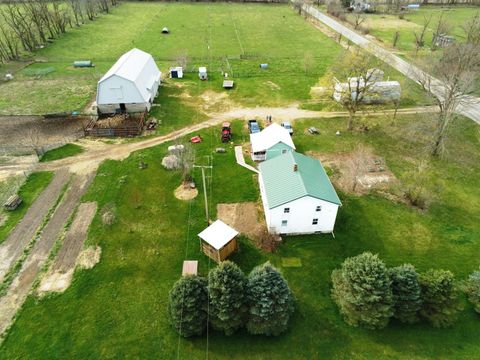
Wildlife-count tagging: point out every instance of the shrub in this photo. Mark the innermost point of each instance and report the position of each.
(440, 298)
(271, 301)
(187, 306)
(472, 289)
(407, 299)
(227, 286)
(171, 162)
(362, 291)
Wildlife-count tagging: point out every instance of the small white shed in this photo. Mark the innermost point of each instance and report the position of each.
(219, 240)
(273, 136)
(130, 85)
(202, 73)
(176, 72)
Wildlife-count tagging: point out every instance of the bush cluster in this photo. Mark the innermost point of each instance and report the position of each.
(368, 294)
(261, 302)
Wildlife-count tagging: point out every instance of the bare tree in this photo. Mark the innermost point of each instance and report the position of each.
(420, 36)
(358, 19)
(308, 61)
(33, 139)
(456, 73)
(353, 81)
(442, 27)
(355, 167)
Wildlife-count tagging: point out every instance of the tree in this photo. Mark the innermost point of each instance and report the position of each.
(187, 308)
(420, 36)
(456, 72)
(353, 81)
(362, 291)
(227, 289)
(472, 289)
(271, 302)
(407, 299)
(440, 298)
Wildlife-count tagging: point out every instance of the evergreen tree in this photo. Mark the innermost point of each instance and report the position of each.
(227, 289)
(271, 301)
(187, 306)
(472, 289)
(362, 291)
(406, 292)
(440, 298)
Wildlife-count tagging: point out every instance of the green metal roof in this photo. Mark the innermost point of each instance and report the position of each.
(282, 184)
(277, 149)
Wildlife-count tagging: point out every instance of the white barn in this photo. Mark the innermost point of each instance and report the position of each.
(297, 195)
(271, 141)
(130, 85)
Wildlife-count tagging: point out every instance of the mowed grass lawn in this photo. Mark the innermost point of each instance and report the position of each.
(119, 308)
(248, 34)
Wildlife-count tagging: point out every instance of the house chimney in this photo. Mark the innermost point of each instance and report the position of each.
(295, 167)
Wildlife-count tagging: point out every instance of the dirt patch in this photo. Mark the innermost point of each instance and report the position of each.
(185, 193)
(214, 101)
(89, 257)
(55, 282)
(358, 171)
(272, 85)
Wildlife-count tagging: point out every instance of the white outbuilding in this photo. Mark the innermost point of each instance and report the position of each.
(130, 85)
(219, 241)
(270, 142)
(202, 73)
(297, 195)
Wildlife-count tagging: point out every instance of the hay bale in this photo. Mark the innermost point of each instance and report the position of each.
(171, 162)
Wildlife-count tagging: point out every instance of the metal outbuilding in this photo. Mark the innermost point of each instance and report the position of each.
(130, 85)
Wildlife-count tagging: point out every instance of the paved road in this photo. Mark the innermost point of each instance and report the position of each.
(17, 292)
(23, 233)
(470, 107)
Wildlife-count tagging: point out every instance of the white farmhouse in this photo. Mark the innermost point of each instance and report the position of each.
(271, 141)
(130, 85)
(297, 195)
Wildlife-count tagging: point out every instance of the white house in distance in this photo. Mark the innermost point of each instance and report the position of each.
(130, 85)
(297, 195)
(271, 141)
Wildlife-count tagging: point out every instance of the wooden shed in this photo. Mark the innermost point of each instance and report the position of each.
(218, 241)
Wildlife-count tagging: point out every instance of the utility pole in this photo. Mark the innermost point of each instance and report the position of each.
(203, 167)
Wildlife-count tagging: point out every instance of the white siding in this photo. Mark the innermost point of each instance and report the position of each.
(300, 217)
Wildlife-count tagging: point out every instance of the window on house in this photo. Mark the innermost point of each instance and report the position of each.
(319, 208)
(314, 221)
(286, 210)
(284, 222)
(284, 151)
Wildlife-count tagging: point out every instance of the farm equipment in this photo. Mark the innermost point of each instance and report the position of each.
(13, 202)
(196, 139)
(313, 130)
(226, 132)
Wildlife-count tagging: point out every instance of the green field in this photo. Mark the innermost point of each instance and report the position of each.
(61, 152)
(29, 191)
(225, 37)
(118, 309)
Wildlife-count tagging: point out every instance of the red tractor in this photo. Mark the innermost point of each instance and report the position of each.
(226, 132)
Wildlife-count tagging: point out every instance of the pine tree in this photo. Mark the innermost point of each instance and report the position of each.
(188, 305)
(270, 300)
(440, 298)
(472, 289)
(227, 289)
(362, 291)
(406, 292)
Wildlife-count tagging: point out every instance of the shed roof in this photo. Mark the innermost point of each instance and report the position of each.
(218, 234)
(282, 184)
(270, 136)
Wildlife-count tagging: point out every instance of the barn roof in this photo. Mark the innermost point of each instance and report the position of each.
(218, 234)
(270, 136)
(283, 184)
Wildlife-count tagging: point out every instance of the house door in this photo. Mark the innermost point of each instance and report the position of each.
(123, 108)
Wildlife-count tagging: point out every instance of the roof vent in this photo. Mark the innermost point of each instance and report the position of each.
(295, 167)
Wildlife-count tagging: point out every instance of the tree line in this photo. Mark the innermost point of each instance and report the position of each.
(368, 294)
(228, 300)
(30, 25)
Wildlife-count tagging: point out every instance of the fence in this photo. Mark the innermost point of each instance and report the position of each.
(130, 128)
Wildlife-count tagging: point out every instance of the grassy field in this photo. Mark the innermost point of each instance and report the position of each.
(62, 152)
(118, 309)
(232, 38)
(29, 191)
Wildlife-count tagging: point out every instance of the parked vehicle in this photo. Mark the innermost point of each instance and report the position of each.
(288, 126)
(253, 126)
(226, 132)
(196, 139)
(313, 130)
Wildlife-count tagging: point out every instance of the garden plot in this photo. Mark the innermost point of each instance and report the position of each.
(243, 217)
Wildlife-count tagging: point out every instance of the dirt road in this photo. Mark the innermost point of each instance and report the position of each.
(23, 233)
(470, 106)
(22, 284)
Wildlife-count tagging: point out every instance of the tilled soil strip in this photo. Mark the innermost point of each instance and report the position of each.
(22, 234)
(22, 284)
